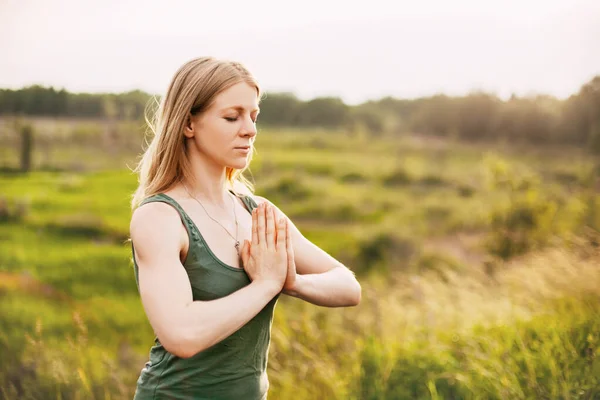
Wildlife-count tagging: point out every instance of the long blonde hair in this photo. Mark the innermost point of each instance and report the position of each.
(193, 87)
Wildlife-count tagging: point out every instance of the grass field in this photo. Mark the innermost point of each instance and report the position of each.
(479, 267)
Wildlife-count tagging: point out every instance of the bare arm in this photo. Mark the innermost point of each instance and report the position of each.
(334, 288)
(317, 277)
(186, 327)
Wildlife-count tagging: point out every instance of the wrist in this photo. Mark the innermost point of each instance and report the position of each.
(295, 288)
(269, 286)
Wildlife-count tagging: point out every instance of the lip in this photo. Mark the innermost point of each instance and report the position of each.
(244, 149)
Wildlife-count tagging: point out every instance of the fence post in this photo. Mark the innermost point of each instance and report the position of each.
(26, 147)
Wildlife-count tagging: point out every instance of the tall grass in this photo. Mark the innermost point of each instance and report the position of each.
(529, 332)
(479, 270)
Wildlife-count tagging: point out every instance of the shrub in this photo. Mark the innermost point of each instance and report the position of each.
(352, 177)
(13, 210)
(465, 191)
(288, 188)
(318, 169)
(436, 262)
(525, 224)
(385, 249)
(397, 178)
(433, 180)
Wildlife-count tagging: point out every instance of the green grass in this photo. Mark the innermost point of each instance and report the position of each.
(479, 269)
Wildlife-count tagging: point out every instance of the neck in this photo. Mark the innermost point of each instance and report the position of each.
(208, 182)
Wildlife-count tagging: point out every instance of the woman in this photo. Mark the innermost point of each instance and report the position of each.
(211, 258)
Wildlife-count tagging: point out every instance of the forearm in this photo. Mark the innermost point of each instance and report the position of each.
(205, 323)
(335, 288)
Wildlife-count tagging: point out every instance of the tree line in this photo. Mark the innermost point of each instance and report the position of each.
(476, 116)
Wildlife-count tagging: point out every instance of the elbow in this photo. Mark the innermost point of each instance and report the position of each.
(182, 344)
(353, 294)
(178, 347)
(356, 294)
(181, 351)
(353, 291)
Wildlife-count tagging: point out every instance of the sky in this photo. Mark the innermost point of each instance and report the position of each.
(353, 50)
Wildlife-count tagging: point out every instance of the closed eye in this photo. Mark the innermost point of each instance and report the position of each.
(232, 119)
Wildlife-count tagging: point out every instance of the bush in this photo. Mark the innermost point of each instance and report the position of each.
(397, 178)
(352, 177)
(338, 212)
(288, 188)
(525, 225)
(594, 139)
(383, 250)
(13, 210)
(318, 169)
(433, 180)
(465, 191)
(438, 263)
(531, 218)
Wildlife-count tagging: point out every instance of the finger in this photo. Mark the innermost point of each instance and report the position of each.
(281, 235)
(288, 235)
(261, 225)
(288, 243)
(276, 238)
(245, 253)
(255, 240)
(270, 228)
(276, 222)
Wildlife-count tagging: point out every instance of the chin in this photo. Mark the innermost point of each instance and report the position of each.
(238, 164)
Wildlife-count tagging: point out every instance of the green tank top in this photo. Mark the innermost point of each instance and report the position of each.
(236, 367)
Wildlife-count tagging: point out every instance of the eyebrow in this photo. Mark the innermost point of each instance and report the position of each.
(241, 109)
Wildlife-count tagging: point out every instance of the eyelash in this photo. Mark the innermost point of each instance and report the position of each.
(234, 119)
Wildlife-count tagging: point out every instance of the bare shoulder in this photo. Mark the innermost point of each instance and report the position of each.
(155, 224)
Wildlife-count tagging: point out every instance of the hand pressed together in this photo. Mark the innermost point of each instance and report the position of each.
(266, 259)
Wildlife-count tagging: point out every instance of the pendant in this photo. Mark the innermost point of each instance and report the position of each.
(237, 246)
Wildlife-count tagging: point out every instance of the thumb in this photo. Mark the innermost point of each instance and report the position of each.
(245, 252)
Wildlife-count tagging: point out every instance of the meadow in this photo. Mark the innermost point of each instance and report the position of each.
(479, 265)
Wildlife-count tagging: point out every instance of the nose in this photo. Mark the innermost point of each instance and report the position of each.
(249, 128)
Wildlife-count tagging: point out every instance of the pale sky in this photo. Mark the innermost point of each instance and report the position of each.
(357, 51)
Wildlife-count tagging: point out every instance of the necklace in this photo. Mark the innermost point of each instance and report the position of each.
(237, 242)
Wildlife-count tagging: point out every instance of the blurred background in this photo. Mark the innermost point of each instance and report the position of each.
(447, 152)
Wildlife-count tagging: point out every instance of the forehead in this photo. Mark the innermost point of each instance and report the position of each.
(240, 94)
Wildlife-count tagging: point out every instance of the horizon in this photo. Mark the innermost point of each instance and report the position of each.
(525, 96)
(407, 51)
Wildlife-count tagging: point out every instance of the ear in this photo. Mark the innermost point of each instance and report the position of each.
(188, 131)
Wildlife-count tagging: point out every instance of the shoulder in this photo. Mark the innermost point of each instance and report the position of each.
(154, 220)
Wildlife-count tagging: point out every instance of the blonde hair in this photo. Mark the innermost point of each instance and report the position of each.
(192, 90)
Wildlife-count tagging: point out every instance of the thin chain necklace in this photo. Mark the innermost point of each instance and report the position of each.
(237, 242)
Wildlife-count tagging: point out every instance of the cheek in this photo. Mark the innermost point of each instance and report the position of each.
(215, 137)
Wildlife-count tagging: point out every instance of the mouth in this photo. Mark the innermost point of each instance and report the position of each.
(243, 149)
